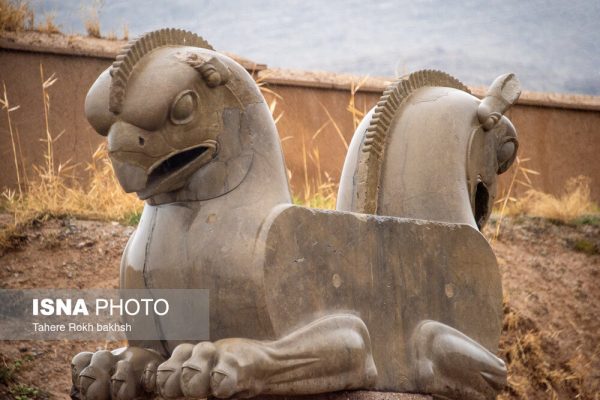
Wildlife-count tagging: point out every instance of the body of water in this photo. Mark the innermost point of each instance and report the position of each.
(551, 45)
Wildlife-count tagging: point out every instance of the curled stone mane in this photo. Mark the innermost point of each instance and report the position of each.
(133, 52)
(373, 148)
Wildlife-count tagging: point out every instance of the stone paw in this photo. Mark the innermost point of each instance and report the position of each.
(121, 374)
(205, 370)
(450, 364)
(169, 373)
(329, 354)
(197, 371)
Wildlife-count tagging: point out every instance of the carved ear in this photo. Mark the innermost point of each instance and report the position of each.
(502, 94)
(213, 71)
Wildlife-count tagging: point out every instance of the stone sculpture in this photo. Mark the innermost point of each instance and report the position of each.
(303, 301)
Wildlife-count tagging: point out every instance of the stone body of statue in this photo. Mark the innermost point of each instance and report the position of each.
(397, 290)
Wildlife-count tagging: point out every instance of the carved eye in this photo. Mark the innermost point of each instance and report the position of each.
(506, 154)
(183, 107)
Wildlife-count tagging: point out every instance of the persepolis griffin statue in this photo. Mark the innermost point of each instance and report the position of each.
(396, 290)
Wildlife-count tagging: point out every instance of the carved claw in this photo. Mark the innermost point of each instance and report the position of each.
(449, 363)
(149, 377)
(196, 371)
(169, 373)
(123, 381)
(94, 380)
(121, 374)
(78, 363)
(227, 377)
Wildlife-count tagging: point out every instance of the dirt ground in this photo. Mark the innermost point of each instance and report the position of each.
(551, 277)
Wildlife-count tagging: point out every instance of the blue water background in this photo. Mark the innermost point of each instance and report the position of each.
(551, 45)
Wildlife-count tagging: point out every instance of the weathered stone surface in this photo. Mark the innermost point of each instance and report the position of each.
(431, 150)
(352, 395)
(394, 273)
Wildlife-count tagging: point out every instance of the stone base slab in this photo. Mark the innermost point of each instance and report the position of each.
(352, 395)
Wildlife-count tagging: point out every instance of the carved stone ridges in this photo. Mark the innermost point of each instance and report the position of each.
(137, 48)
(373, 148)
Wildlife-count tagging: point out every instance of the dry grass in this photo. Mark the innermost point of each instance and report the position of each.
(318, 191)
(92, 19)
(15, 16)
(59, 194)
(357, 115)
(125, 32)
(48, 26)
(92, 27)
(13, 237)
(533, 363)
(54, 191)
(318, 188)
(573, 204)
(521, 176)
(261, 82)
(5, 104)
(111, 36)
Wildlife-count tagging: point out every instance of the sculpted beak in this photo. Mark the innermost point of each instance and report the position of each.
(171, 172)
(165, 174)
(131, 177)
(190, 157)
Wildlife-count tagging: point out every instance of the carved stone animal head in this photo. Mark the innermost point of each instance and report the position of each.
(164, 106)
(431, 150)
(493, 147)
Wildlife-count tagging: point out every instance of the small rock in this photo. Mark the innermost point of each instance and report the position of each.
(23, 348)
(86, 243)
